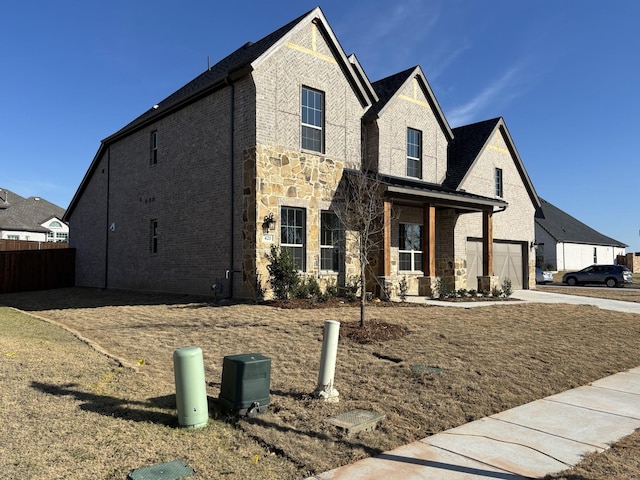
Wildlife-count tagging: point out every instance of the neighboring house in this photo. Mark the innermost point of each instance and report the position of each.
(195, 191)
(32, 218)
(565, 243)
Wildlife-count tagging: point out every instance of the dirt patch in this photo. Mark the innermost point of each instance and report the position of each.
(77, 410)
(374, 331)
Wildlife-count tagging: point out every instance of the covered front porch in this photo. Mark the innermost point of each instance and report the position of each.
(421, 247)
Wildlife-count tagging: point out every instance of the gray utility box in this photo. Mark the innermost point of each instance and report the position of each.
(246, 380)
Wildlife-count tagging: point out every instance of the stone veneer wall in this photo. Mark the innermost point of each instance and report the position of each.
(294, 179)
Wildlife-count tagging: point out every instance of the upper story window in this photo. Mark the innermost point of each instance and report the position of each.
(414, 153)
(331, 237)
(410, 247)
(154, 148)
(293, 234)
(153, 244)
(55, 224)
(498, 181)
(312, 114)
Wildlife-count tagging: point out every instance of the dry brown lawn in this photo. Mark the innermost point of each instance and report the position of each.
(100, 407)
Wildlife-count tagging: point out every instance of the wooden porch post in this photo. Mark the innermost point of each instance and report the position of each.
(386, 251)
(429, 240)
(487, 243)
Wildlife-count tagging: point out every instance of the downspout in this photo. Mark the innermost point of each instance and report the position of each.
(106, 250)
(232, 170)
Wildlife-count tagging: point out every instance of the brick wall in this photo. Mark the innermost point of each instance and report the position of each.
(388, 135)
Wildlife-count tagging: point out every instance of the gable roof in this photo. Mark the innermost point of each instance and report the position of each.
(234, 66)
(29, 214)
(469, 141)
(388, 87)
(564, 228)
(241, 62)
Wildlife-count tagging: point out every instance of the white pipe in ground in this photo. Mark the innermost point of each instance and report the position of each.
(325, 389)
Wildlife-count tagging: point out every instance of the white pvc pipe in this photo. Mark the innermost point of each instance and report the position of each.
(326, 375)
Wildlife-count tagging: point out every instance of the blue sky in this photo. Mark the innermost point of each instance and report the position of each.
(564, 74)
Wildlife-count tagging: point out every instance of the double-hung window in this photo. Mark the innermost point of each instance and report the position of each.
(498, 181)
(414, 153)
(312, 119)
(293, 234)
(331, 237)
(410, 247)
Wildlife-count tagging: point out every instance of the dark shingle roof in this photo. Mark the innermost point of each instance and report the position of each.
(465, 147)
(215, 75)
(386, 88)
(8, 198)
(566, 229)
(28, 214)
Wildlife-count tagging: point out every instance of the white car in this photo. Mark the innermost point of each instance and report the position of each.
(543, 276)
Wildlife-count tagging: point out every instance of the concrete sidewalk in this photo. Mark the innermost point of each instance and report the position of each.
(540, 297)
(530, 441)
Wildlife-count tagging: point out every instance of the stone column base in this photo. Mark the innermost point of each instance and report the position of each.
(487, 283)
(427, 286)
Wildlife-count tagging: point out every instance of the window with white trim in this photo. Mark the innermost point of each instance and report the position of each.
(499, 185)
(410, 247)
(331, 237)
(312, 120)
(414, 153)
(293, 234)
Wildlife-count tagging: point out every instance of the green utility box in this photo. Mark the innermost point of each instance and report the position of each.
(246, 380)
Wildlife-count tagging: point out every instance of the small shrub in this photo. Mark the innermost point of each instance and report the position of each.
(496, 292)
(403, 288)
(473, 293)
(507, 288)
(443, 290)
(283, 273)
(307, 288)
(331, 291)
(350, 289)
(462, 292)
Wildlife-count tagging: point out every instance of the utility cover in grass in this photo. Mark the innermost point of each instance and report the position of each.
(426, 369)
(174, 470)
(356, 420)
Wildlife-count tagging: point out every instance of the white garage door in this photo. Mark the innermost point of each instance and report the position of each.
(507, 263)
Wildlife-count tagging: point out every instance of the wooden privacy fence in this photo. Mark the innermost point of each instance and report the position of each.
(27, 270)
(6, 244)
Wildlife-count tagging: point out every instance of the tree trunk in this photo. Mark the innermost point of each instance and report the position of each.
(363, 284)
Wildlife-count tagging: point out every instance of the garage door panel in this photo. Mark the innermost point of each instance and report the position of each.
(507, 263)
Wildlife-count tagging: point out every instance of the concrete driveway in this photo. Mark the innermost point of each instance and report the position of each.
(541, 296)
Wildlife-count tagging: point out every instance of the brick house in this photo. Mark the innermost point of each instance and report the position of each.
(195, 191)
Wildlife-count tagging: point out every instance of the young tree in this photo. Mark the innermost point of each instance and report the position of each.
(359, 205)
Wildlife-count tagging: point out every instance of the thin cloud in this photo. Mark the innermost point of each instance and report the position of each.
(385, 36)
(506, 88)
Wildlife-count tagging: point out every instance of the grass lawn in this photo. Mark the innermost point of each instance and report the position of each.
(70, 411)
